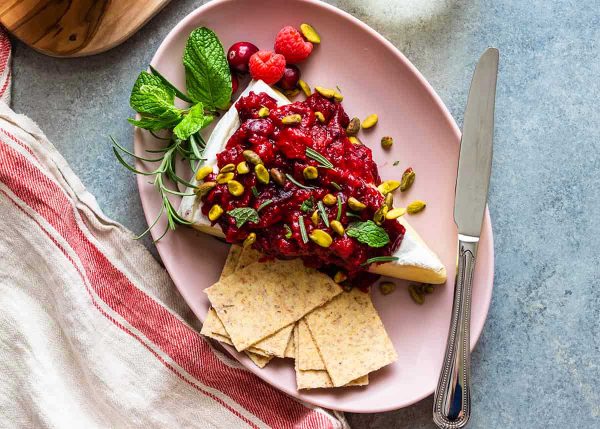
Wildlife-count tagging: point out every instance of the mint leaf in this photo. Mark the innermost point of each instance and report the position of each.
(169, 85)
(368, 233)
(149, 96)
(154, 101)
(207, 74)
(193, 122)
(243, 215)
(308, 205)
(153, 124)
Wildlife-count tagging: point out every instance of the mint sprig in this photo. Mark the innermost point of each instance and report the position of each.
(208, 86)
(207, 75)
(368, 233)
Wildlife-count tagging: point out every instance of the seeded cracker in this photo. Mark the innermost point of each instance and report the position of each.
(260, 299)
(231, 262)
(308, 354)
(350, 337)
(213, 328)
(315, 379)
(274, 345)
(247, 257)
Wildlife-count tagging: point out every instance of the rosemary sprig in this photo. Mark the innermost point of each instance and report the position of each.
(323, 213)
(336, 186)
(313, 154)
(379, 259)
(187, 150)
(302, 229)
(264, 204)
(339, 208)
(295, 182)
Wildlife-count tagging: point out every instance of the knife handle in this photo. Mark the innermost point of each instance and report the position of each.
(452, 398)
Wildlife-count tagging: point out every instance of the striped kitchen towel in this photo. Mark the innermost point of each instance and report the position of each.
(90, 335)
(4, 67)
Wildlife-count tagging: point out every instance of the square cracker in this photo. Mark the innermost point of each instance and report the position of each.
(260, 299)
(247, 257)
(273, 345)
(233, 257)
(350, 337)
(308, 353)
(318, 379)
(213, 328)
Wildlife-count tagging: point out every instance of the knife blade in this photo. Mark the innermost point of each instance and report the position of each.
(452, 398)
(475, 162)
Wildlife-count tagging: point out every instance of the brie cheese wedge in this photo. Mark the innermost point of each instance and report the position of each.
(416, 261)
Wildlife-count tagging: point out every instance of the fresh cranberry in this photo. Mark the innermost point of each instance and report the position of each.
(239, 54)
(235, 83)
(290, 78)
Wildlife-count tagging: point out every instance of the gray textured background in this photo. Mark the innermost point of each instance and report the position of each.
(537, 363)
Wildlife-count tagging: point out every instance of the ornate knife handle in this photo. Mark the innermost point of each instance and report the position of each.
(452, 398)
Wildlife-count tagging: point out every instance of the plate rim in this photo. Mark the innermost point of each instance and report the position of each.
(447, 117)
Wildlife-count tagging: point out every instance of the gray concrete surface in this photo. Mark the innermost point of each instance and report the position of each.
(537, 363)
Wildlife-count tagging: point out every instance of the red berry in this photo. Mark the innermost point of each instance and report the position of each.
(235, 83)
(267, 65)
(239, 54)
(290, 43)
(291, 76)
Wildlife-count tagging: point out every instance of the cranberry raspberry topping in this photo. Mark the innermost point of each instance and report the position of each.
(290, 199)
(290, 43)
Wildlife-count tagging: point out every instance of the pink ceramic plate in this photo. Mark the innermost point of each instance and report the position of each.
(374, 78)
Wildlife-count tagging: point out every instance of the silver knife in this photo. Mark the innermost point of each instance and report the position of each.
(452, 398)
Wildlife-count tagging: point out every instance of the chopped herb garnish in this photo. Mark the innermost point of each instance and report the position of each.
(288, 233)
(379, 259)
(255, 191)
(303, 229)
(396, 163)
(323, 213)
(350, 214)
(339, 206)
(313, 154)
(338, 88)
(308, 205)
(336, 186)
(263, 205)
(295, 182)
(243, 215)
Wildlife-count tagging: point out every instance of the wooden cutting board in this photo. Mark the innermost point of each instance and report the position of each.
(76, 28)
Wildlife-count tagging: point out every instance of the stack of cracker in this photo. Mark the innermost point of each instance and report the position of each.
(284, 309)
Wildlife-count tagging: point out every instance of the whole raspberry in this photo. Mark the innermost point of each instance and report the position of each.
(267, 65)
(290, 43)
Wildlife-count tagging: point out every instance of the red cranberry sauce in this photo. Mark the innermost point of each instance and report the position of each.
(283, 147)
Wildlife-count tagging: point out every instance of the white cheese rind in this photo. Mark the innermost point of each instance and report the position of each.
(416, 262)
(215, 144)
